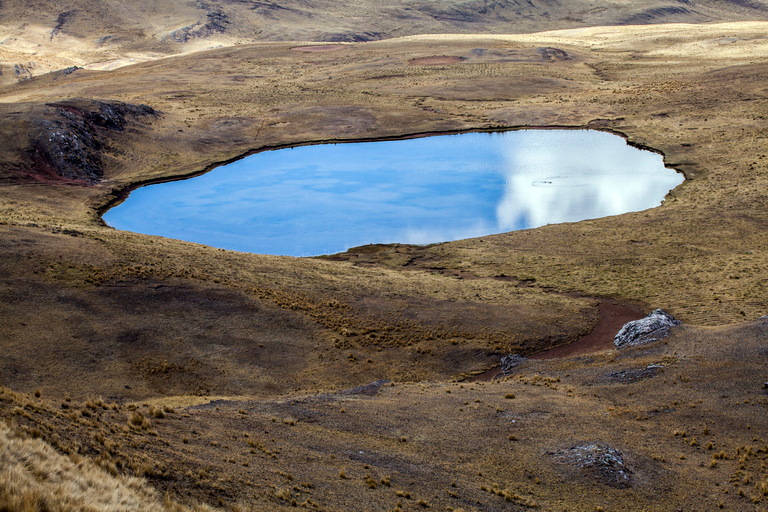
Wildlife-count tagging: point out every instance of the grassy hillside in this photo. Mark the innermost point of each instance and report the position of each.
(679, 424)
(361, 380)
(44, 36)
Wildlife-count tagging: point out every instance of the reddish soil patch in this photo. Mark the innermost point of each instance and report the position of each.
(613, 316)
(319, 48)
(486, 376)
(437, 60)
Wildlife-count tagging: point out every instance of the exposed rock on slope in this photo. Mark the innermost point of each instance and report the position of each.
(41, 38)
(216, 23)
(69, 143)
(653, 327)
(510, 362)
(601, 462)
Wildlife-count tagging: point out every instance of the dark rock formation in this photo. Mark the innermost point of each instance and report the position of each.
(24, 71)
(653, 327)
(217, 21)
(64, 72)
(553, 54)
(70, 142)
(60, 22)
(627, 376)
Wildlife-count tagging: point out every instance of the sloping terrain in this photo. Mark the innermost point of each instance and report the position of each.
(265, 382)
(44, 36)
(678, 424)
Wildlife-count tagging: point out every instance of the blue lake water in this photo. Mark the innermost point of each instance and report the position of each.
(323, 199)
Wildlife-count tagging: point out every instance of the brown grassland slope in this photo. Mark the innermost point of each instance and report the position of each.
(45, 35)
(234, 379)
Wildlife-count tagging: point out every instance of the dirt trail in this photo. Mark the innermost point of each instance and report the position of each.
(613, 316)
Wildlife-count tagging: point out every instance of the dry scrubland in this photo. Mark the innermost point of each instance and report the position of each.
(216, 375)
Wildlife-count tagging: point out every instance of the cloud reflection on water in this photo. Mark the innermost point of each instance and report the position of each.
(565, 176)
(323, 199)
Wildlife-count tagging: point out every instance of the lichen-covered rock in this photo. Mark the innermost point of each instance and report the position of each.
(510, 362)
(70, 139)
(653, 327)
(598, 461)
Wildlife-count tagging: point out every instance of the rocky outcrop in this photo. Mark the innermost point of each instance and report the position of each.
(627, 376)
(510, 362)
(371, 389)
(69, 142)
(217, 21)
(653, 327)
(24, 71)
(597, 461)
(553, 54)
(60, 22)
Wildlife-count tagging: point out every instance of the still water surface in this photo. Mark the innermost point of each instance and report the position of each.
(327, 198)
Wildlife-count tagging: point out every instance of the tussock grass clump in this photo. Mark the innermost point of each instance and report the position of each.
(33, 476)
(137, 420)
(157, 412)
(96, 404)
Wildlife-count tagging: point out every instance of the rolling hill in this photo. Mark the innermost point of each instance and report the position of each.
(147, 373)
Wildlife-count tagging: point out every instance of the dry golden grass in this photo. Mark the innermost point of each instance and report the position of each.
(35, 477)
(690, 433)
(88, 311)
(698, 255)
(48, 36)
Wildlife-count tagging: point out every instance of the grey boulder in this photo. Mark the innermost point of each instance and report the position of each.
(510, 362)
(653, 327)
